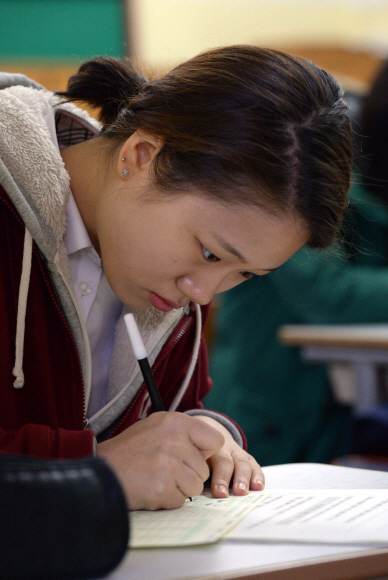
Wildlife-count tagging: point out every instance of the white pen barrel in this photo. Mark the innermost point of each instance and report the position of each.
(135, 337)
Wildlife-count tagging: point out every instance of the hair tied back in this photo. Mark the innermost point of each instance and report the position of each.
(107, 84)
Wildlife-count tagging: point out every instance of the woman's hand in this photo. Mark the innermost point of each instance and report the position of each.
(232, 460)
(161, 460)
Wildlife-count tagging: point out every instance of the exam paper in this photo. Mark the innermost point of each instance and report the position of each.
(341, 516)
(201, 521)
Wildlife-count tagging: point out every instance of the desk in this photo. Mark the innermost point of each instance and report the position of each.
(228, 560)
(364, 346)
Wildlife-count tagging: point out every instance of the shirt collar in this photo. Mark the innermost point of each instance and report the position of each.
(76, 237)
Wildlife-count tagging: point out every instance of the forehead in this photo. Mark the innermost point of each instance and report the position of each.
(250, 217)
(258, 235)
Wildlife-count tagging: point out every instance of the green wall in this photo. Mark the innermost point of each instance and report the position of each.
(61, 29)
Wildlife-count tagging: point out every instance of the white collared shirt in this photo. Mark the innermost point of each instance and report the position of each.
(99, 306)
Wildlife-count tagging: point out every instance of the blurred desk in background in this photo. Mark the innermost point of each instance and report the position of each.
(364, 347)
(53, 76)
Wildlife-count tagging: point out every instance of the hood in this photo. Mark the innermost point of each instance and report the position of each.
(35, 178)
(32, 170)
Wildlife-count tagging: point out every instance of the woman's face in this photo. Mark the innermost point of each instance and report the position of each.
(169, 249)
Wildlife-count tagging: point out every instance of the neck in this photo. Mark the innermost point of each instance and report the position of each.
(83, 162)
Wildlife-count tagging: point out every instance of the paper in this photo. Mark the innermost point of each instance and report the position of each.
(201, 521)
(341, 516)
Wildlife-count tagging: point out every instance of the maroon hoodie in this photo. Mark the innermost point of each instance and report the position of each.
(46, 417)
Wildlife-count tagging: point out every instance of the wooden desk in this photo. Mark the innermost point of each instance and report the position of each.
(228, 560)
(364, 346)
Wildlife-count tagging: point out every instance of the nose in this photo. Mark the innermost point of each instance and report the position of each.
(201, 289)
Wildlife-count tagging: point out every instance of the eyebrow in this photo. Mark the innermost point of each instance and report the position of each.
(232, 250)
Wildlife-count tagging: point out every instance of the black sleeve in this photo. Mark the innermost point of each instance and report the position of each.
(60, 519)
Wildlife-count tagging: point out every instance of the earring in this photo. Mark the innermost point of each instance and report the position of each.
(123, 159)
(124, 172)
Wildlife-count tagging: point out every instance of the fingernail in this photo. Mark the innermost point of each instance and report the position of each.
(258, 481)
(221, 488)
(242, 485)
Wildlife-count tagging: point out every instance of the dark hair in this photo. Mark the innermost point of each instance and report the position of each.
(243, 124)
(373, 156)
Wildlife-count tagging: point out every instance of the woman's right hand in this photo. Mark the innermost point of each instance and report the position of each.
(161, 460)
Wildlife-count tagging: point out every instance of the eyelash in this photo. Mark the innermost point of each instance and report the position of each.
(207, 257)
(246, 275)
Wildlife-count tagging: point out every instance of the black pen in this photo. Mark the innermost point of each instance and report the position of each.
(141, 356)
(142, 359)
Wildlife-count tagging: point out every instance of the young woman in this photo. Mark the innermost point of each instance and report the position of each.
(191, 184)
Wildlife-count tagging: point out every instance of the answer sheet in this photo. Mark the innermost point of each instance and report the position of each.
(201, 521)
(340, 516)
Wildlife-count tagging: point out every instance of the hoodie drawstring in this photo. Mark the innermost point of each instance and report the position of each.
(22, 307)
(21, 318)
(193, 362)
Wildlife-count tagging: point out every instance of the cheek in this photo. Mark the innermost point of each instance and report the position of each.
(139, 252)
(229, 282)
(139, 261)
(118, 256)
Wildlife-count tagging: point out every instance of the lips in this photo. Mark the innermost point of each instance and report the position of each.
(162, 304)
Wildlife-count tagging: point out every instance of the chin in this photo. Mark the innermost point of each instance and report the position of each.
(138, 304)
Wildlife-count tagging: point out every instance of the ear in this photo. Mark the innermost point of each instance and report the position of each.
(137, 153)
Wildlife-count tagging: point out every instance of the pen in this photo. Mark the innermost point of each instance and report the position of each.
(142, 359)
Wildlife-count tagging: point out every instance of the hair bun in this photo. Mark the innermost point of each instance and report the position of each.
(105, 83)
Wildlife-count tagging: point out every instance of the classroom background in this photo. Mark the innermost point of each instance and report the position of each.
(48, 39)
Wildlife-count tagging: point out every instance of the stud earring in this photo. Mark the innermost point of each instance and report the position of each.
(123, 159)
(124, 172)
